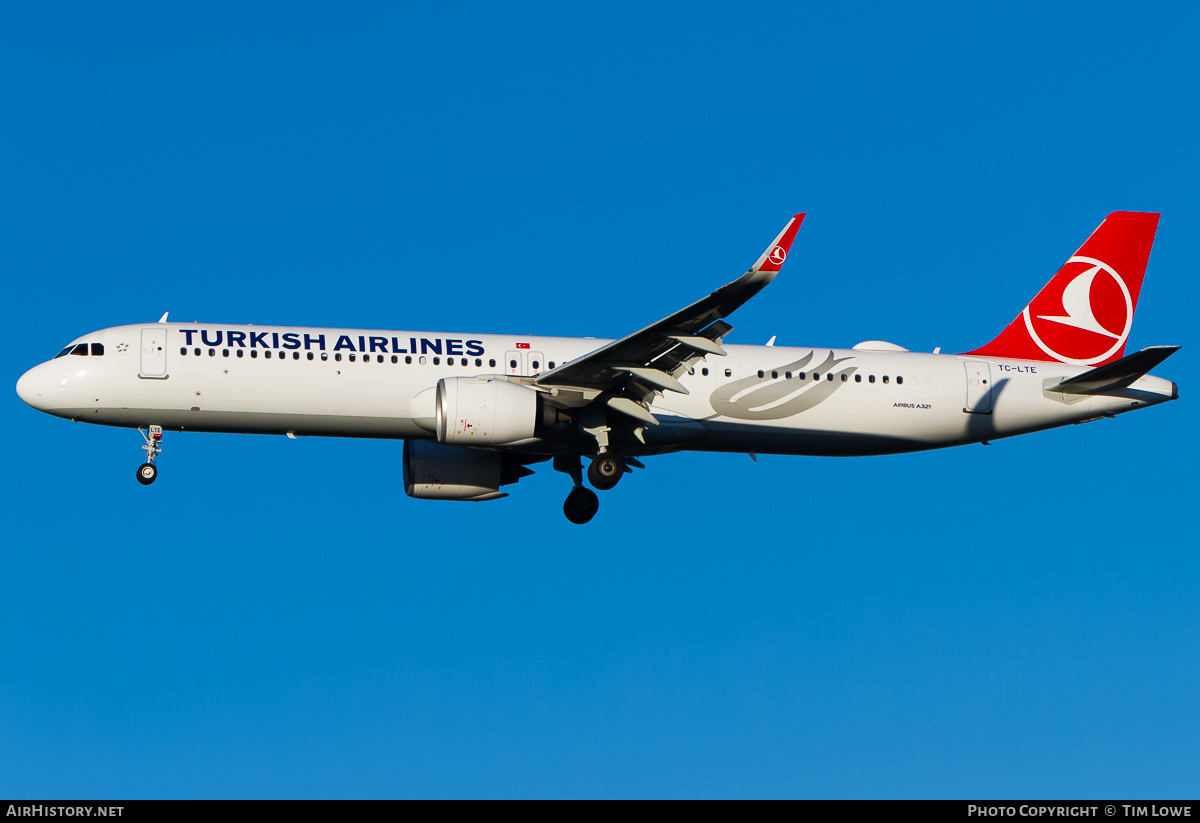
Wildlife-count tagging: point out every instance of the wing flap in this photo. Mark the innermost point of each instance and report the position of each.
(657, 379)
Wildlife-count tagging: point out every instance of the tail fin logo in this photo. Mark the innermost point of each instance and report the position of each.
(777, 255)
(1081, 324)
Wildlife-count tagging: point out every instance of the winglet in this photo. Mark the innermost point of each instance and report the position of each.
(777, 252)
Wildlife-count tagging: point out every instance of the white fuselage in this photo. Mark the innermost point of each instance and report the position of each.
(376, 383)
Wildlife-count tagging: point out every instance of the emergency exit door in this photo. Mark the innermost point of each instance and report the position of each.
(524, 362)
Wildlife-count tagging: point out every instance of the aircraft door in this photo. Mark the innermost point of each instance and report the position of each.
(979, 387)
(154, 353)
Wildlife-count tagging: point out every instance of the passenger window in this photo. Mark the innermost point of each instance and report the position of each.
(899, 380)
(845, 377)
(395, 358)
(97, 349)
(338, 357)
(408, 360)
(351, 357)
(816, 376)
(871, 379)
(829, 376)
(421, 360)
(197, 352)
(551, 364)
(267, 354)
(491, 364)
(182, 350)
(774, 375)
(702, 371)
(512, 364)
(324, 355)
(464, 361)
(310, 355)
(858, 378)
(761, 373)
(801, 375)
(479, 362)
(437, 361)
(787, 375)
(885, 378)
(254, 354)
(296, 355)
(212, 352)
(379, 358)
(240, 353)
(729, 372)
(224, 352)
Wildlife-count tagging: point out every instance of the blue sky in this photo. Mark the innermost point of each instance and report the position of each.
(276, 619)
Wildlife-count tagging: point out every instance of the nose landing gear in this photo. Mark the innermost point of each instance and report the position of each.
(147, 473)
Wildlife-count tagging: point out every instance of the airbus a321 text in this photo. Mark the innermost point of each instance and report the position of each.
(476, 410)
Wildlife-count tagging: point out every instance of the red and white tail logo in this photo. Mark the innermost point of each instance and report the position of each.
(1084, 314)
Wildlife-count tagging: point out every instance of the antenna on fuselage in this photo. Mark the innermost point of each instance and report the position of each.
(163, 319)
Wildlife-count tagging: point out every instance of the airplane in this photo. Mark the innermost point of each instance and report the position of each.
(475, 411)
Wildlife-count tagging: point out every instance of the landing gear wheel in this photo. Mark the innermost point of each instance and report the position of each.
(581, 506)
(147, 474)
(605, 471)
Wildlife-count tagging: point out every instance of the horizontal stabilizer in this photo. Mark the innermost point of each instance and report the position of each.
(1119, 374)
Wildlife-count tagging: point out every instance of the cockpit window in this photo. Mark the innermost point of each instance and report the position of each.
(81, 349)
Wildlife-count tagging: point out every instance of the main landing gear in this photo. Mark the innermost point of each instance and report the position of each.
(582, 505)
(147, 473)
(605, 471)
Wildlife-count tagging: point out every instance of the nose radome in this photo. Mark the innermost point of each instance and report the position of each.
(32, 388)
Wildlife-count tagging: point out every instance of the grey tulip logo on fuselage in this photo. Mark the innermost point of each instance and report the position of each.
(773, 398)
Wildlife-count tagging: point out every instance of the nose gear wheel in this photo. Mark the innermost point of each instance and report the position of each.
(147, 473)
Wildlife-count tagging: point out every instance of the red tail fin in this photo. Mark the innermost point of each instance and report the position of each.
(1084, 314)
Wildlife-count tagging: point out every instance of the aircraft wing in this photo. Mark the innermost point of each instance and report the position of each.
(638, 365)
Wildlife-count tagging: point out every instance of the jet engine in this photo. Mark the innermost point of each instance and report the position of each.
(436, 472)
(484, 411)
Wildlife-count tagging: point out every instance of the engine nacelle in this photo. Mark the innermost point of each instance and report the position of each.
(484, 411)
(436, 472)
